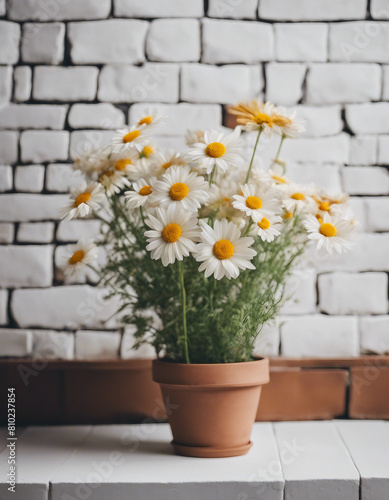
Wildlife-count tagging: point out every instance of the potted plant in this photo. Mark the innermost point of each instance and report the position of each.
(198, 249)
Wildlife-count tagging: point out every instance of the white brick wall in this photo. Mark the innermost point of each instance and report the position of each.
(71, 72)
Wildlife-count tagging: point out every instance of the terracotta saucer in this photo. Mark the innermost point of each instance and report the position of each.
(210, 452)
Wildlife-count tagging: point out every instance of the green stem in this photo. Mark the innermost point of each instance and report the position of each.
(283, 137)
(142, 216)
(212, 175)
(253, 155)
(183, 296)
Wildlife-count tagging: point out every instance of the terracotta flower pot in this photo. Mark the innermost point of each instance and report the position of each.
(211, 408)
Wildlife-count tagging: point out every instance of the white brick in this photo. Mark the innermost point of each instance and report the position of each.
(368, 118)
(236, 42)
(5, 84)
(3, 7)
(110, 41)
(6, 176)
(333, 83)
(97, 345)
(379, 9)
(145, 351)
(364, 41)
(22, 83)
(368, 254)
(363, 150)
(347, 293)
(30, 207)
(181, 117)
(44, 145)
(48, 344)
(102, 115)
(3, 307)
(174, 40)
(385, 87)
(319, 336)
(80, 306)
(43, 43)
(358, 206)
(383, 149)
(375, 334)
(21, 116)
(276, 76)
(24, 10)
(35, 232)
(151, 82)
(268, 341)
(301, 42)
(158, 8)
(65, 84)
(326, 176)
(320, 120)
(8, 147)
(366, 180)
(333, 149)
(306, 10)
(6, 232)
(29, 178)
(377, 210)
(61, 177)
(15, 343)
(223, 84)
(233, 10)
(300, 292)
(84, 140)
(26, 266)
(74, 230)
(9, 42)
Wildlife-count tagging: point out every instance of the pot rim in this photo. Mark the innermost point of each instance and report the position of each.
(242, 374)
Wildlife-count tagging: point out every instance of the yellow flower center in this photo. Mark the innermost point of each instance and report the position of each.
(146, 120)
(223, 249)
(253, 202)
(171, 233)
(319, 218)
(122, 164)
(81, 198)
(263, 118)
(76, 257)
(147, 151)
(327, 230)
(281, 121)
(287, 215)
(215, 149)
(178, 191)
(325, 206)
(145, 190)
(298, 196)
(279, 179)
(131, 136)
(226, 199)
(264, 223)
(167, 165)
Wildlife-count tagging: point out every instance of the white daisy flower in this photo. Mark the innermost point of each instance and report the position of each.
(267, 228)
(218, 150)
(331, 233)
(163, 161)
(128, 138)
(172, 235)
(286, 123)
(125, 162)
(79, 256)
(151, 119)
(194, 136)
(148, 151)
(141, 194)
(297, 198)
(91, 161)
(255, 115)
(276, 174)
(179, 186)
(114, 181)
(222, 251)
(84, 199)
(256, 203)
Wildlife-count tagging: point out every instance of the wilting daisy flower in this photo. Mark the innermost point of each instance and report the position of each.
(256, 203)
(222, 251)
(179, 186)
(114, 181)
(141, 194)
(254, 115)
(299, 198)
(79, 256)
(267, 227)
(286, 123)
(84, 199)
(151, 119)
(217, 150)
(332, 233)
(163, 161)
(128, 138)
(172, 235)
(194, 136)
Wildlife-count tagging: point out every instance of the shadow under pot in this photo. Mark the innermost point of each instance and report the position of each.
(211, 408)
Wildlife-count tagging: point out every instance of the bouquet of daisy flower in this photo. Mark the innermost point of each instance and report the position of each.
(199, 246)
